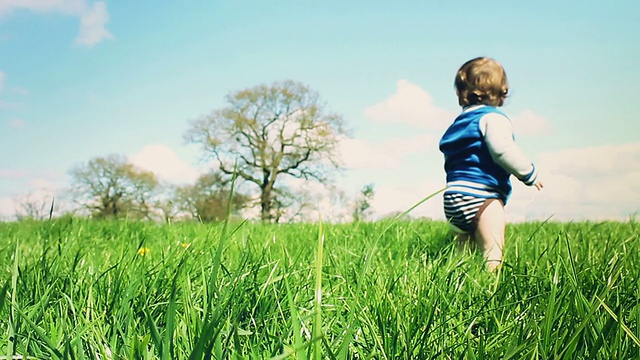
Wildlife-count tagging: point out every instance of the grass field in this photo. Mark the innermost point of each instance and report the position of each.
(80, 289)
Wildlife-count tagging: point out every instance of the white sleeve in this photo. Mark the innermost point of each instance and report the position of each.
(498, 135)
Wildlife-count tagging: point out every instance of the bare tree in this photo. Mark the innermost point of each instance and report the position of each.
(33, 208)
(208, 199)
(110, 187)
(166, 207)
(267, 133)
(362, 207)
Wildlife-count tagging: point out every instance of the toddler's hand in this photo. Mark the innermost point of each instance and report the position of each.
(538, 185)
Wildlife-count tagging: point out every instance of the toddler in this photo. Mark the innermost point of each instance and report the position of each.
(480, 155)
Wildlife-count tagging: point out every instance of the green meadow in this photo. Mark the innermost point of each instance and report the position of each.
(79, 289)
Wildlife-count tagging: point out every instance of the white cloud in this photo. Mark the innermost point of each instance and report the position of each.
(529, 123)
(7, 208)
(419, 143)
(93, 16)
(165, 163)
(67, 6)
(92, 25)
(602, 161)
(44, 185)
(2, 77)
(19, 91)
(12, 174)
(403, 172)
(398, 198)
(17, 123)
(361, 154)
(402, 168)
(388, 154)
(9, 105)
(595, 183)
(410, 105)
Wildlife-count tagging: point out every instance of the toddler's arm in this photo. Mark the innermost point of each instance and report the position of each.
(498, 135)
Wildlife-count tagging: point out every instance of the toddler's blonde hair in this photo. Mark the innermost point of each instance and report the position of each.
(481, 81)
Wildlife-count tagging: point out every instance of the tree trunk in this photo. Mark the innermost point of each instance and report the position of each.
(265, 203)
(266, 200)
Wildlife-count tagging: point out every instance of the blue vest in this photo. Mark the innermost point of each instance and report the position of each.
(466, 156)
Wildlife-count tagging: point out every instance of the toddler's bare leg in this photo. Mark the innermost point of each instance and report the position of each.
(464, 242)
(490, 232)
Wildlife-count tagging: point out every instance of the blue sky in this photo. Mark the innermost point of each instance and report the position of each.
(81, 78)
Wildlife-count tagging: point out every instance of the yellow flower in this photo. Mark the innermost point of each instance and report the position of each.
(143, 251)
(185, 245)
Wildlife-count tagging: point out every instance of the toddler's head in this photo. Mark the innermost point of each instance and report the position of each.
(481, 81)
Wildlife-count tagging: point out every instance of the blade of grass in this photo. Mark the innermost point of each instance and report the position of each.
(155, 335)
(401, 215)
(625, 328)
(41, 334)
(236, 340)
(367, 265)
(11, 330)
(3, 293)
(298, 342)
(168, 345)
(217, 258)
(317, 326)
(550, 313)
(208, 338)
(53, 200)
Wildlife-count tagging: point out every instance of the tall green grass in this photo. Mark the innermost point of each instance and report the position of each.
(80, 289)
